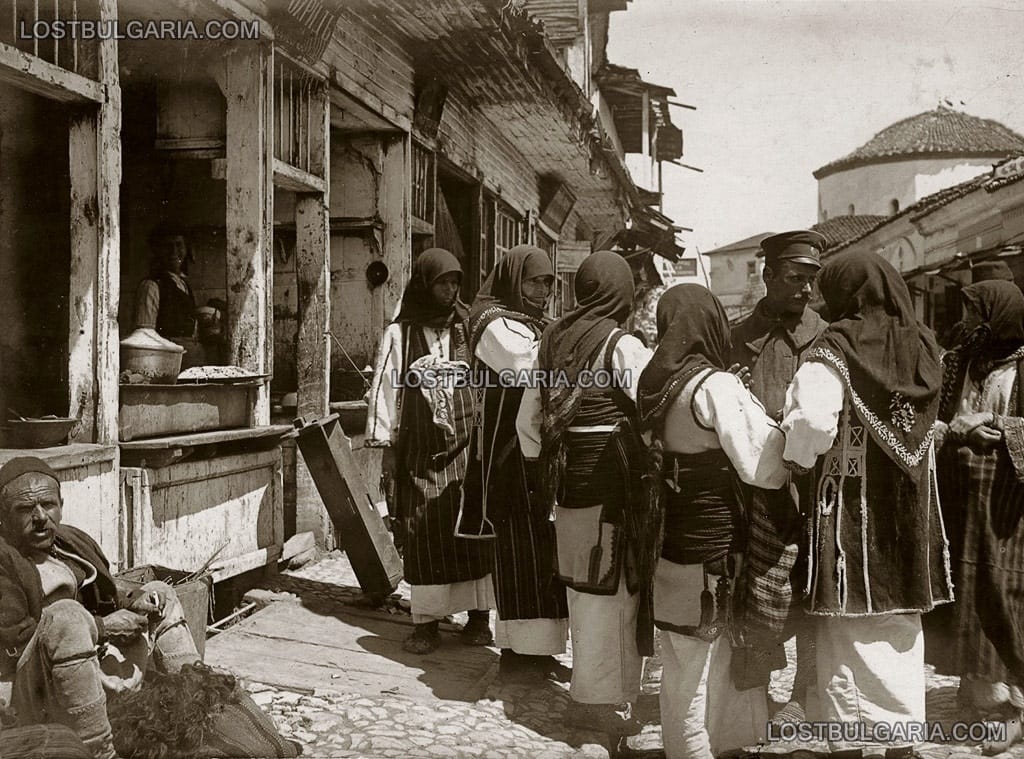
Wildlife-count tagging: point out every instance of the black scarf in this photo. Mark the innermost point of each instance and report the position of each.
(501, 293)
(995, 333)
(693, 334)
(888, 360)
(418, 305)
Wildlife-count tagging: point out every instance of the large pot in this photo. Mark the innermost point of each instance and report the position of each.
(147, 359)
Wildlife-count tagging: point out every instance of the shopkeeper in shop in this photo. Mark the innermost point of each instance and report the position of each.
(164, 301)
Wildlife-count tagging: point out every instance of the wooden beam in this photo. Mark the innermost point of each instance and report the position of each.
(108, 195)
(312, 269)
(94, 160)
(27, 72)
(396, 209)
(245, 82)
(235, 9)
(83, 154)
(290, 178)
(350, 85)
(222, 570)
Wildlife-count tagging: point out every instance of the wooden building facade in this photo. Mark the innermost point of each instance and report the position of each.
(305, 166)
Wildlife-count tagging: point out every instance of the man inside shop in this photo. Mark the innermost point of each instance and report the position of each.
(164, 301)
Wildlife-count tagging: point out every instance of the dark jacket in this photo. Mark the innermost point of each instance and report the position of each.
(177, 315)
(773, 349)
(21, 592)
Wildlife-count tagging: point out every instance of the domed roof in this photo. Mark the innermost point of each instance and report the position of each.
(942, 133)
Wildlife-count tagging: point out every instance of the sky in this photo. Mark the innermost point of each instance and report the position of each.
(783, 88)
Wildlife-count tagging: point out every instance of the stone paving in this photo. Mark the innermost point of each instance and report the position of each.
(513, 719)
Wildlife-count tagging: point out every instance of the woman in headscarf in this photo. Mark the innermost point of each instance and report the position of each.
(708, 430)
(981, 485)
(860, 412)
(583, 429)
(424, 436)
(506, 322)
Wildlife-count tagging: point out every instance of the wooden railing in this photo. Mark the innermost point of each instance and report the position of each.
(294, 107)
(52, 30)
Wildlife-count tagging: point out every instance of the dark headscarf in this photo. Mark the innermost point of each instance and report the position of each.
(888, 360)
(501, 293)
(1001, 307)
(604, 297)
(693, 334)
(418, 305)
(993, 340)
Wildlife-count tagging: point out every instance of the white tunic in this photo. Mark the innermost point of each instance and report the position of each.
(382, 413)
(810, 420)
(730, 418)
(628, 360)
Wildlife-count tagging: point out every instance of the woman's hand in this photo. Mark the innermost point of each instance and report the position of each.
(982, 439)
(941, 431)
(963, 424)
(743, 372)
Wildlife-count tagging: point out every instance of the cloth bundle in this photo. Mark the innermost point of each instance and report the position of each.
(438, 379)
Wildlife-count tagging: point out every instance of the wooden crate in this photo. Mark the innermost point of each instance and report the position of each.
(155, 410)
(179, 515)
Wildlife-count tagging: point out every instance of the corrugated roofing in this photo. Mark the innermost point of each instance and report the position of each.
(942, 132)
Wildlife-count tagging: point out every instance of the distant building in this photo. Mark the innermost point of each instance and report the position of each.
(736, 275)
(910, 160)
(935, 242)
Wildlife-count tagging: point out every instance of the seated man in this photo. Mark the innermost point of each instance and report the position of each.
(67, 633)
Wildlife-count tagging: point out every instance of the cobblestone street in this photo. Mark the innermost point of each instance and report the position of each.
(509, 719)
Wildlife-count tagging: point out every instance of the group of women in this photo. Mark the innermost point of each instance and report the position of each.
(606, 512)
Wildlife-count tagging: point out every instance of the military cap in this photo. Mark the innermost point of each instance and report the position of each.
(986, 270)
(801, 246)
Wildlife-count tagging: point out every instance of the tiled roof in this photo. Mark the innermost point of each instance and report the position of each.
(939, 133)
(1007, 172)
(754, 241)
(842, 228)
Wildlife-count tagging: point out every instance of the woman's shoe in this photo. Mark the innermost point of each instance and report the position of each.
(425, 639)
(1014, 734)
(477, 631)
(613, 719)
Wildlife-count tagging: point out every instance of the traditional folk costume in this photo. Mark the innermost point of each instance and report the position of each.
(862, 409)
(981, 636)
(709, 431)
(773, 346)
(505, 331)
(429, 429)
(590, 465)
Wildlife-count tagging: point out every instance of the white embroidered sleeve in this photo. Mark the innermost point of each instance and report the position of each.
(814, 401)
(629, 359)
(751, 440)
(507, 345)
(382, 400)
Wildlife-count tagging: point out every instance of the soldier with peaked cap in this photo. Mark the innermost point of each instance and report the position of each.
(771, 342)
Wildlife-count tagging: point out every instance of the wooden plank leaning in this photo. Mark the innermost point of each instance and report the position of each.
(350, 504)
